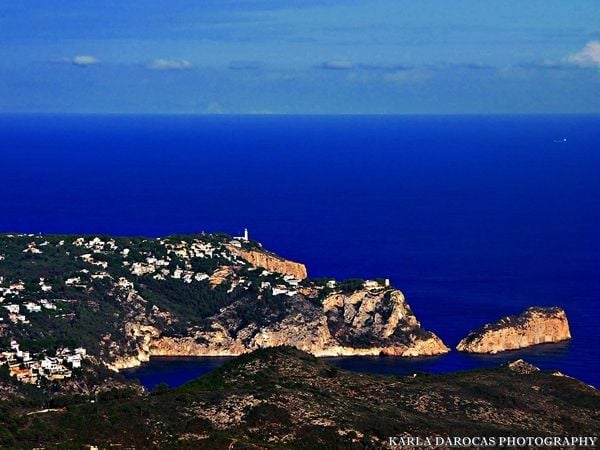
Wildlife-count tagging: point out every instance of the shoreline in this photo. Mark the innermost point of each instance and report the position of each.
(366, 364)
(336, 352)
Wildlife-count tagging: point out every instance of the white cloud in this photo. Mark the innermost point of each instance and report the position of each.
(84, 60)
(169, 64)
(589, 56)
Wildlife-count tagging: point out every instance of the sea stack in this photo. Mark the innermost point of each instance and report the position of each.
(534, 326)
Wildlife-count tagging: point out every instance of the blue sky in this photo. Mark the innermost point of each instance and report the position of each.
(305, 56)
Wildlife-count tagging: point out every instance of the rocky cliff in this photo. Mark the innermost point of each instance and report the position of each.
(534, 326)
(127, 299)
(364, 322)
(378, 321)
(270, 262)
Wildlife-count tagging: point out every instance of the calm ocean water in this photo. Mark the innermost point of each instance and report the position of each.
(472, 217)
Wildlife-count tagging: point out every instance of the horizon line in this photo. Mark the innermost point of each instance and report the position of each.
(189, 114)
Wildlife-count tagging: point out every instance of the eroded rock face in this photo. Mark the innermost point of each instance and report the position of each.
(534, 326)
(140, 337)
(378, 321)
(271, 262)
(231, 332)
(365, 322)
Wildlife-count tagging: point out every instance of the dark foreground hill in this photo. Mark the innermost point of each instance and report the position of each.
(284, 398)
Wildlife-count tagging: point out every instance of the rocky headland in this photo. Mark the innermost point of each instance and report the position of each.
(369, 321)
(127, 299)
(534, 326)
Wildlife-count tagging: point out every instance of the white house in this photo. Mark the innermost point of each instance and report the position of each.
(12, 308)
(73, 281)
(46, 304)
(74, 360)
(49, 364)
(32, 307)
(177, 273)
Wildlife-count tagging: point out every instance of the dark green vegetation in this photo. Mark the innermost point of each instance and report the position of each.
(345, 286)
(284, 398)
(92, 311)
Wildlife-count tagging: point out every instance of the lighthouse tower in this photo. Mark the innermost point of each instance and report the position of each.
(245, 234)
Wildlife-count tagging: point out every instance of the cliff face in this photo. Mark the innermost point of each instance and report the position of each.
(140, 338)
(365, 322)
(378, 321)
(270, 262)
(534, 326)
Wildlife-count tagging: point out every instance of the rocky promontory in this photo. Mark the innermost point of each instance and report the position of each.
(534, 326)
(126, 299)
(367, 321)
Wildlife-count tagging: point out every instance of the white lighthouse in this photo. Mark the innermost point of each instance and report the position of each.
(244, 237)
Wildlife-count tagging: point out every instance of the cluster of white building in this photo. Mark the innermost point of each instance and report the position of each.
(13, 290)
(289, 286)
(184, 251)
(88, 258)
(195, 249)
(151, 265)
(11, 299)
(32, 369)
(16, 289)
(96, 244)
(373, 284)
(188, 275)
(16, 314)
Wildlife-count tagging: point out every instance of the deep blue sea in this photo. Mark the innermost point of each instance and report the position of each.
(472, 217)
